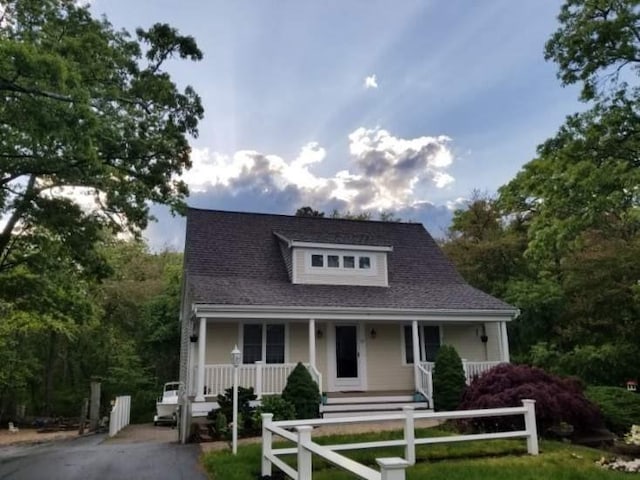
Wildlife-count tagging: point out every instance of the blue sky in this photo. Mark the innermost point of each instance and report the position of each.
(458, 97)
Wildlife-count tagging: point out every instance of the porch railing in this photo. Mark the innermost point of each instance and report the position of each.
(265, 378)
(425, 375)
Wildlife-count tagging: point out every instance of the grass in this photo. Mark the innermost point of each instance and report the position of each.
(495, 460)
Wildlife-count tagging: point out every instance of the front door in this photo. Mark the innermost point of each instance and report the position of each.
(347, 358)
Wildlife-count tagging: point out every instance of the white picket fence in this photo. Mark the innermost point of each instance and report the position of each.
(390, 468)
(119, 417)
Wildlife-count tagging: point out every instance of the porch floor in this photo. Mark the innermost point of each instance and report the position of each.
(370, 393)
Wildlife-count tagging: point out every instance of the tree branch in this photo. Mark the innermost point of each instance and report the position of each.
(19, 210)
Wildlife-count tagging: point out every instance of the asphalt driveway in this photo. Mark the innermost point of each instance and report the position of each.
(91, 458)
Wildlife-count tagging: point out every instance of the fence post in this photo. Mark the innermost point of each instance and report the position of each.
(391, 468)
(530, 426)
(259, 379)
(409, 436)
(267, 436)
(305, 465)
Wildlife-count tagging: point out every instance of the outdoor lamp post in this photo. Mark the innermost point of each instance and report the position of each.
(235, 360)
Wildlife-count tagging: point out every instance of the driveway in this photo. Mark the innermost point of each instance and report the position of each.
(93, 458)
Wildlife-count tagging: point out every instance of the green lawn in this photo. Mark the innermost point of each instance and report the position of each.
(497, 459)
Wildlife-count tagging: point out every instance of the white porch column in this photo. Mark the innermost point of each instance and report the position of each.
(312, 342)
(505, 341)
(202, 342)
(416, 353)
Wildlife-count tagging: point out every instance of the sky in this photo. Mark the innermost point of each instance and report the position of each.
(377, 105)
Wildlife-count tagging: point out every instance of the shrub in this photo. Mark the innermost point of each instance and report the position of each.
(448, 379)
(245, 410)
(558, 400)
(303, 393)
(620, 408)
(282, 409)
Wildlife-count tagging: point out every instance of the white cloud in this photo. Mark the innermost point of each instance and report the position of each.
(371, 82)
(384, 172)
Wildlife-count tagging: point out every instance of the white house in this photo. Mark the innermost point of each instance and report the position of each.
(358, 302)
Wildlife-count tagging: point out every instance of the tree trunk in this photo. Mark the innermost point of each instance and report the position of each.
(49, 373)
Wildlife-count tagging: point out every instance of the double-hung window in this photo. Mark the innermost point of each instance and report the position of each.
(428, 340)
(263, 342)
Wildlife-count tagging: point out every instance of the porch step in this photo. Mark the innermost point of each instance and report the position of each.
(362, 405)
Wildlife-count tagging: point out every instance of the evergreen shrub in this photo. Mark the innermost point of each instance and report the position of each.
(620, 408)
(303, 393)
(448, 379)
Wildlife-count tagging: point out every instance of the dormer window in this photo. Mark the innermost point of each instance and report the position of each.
(331, 261)
(349, 261)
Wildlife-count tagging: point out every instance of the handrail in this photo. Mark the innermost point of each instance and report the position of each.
(316, 373)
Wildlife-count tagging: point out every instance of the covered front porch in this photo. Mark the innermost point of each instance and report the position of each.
(349, 355)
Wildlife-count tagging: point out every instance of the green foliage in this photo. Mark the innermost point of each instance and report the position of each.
(620, 408)
(595, 42)
(280, 408)
(87, 106)
(448, 379)
(302, 392)
(246, 417)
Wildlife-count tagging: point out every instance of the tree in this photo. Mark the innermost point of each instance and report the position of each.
(448, 379)
(308, 212)
(86, 110)
(302, 391)
(596, 42)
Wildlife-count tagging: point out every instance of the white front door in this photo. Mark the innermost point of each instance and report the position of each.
(346, 351)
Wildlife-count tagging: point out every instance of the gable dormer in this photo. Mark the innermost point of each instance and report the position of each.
(342, 261)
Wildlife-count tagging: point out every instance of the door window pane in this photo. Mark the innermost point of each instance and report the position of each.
(333, 261)
(252, 343)
(348, 262)
(347, 351)
(317, 261)
(275, 344)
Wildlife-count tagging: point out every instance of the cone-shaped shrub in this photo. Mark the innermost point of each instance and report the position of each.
(557, 399)
(448, 379)
(302, 392)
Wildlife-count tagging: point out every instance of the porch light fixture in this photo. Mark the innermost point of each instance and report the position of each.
(319, 333)
(373, 333)
(484, 338)
(235, 361)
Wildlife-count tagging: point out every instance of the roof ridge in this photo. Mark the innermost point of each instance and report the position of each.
(264, 214)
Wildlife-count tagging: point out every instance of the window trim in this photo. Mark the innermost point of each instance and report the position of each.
(263, 357)
(372, 271)
(421, 334)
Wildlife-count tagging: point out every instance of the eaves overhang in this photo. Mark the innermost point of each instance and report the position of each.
(206, 310)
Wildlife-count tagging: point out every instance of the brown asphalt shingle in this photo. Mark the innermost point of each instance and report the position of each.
(236, 259)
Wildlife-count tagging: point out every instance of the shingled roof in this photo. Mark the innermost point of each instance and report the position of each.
(234, 258)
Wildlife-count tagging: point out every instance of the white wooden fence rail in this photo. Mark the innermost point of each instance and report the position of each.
(390, 468)
(119, 417)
